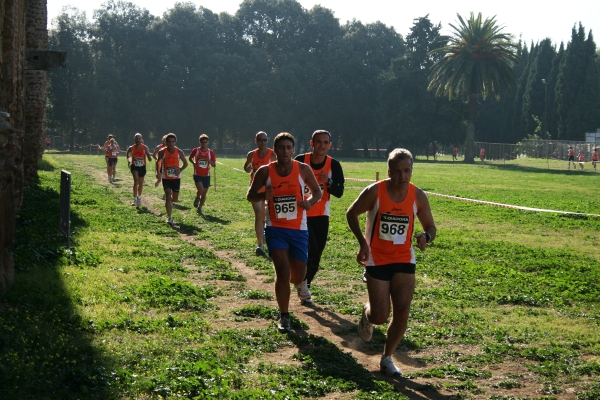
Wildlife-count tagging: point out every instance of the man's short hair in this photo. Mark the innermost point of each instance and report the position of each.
(170, 135)
(320, 132)
(137, 134)
(110, 136)
(203, 136)
(399, 154)
(260, 133)
(284, 136)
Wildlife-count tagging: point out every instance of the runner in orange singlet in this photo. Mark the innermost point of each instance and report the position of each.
(202, 158)
(595, 158)
(386, 251)
(112, 157)
(330, 177)
(171, 157)
(482, 154)
(286, 231)
(571, 158)
(158, 163)
(256, 158)
(138, 153)
(581, 158)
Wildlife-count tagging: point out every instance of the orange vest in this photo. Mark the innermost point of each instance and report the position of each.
(112, 151)
(259, 162)
(581, 157)
(595, 156)
(322, 207)
(389, 228)
(138, 156)
(287, 192)
(482, 153)
(171, 165)
(571, 153)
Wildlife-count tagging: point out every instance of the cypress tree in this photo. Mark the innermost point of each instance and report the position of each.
(552, 119)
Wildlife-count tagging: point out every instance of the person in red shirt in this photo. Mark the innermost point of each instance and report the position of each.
(136, 158)
(455, 153)
(171, 158)
(387, 253)
(482, 154)
(286, 231)
(255, 159)
(595, 158)
(202, 158)
(572, 157)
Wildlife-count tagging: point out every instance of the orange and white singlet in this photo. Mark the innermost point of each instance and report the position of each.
(482, 153)
(171, 164)
(389, 228)
(138, 156)
(203, 159)
(571, 153)
(287, 192)
(112, 151)
(259, 162)
(595, 156)
(581, 157)
(322, 207)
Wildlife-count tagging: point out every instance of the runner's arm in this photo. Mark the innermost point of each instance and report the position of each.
(260, 180)
(426, 220)
(191, 158)
(361, 205)
(248, 163)
(336, 188)
(185, 161)
(147, 150)
(214, 159)
(313, 185)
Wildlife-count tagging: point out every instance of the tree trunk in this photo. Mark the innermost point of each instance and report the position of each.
(470, 140)
(36, 38)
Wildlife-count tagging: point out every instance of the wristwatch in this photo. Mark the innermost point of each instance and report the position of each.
(427, 237)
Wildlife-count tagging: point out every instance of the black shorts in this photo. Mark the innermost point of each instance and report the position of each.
(140, 170)
(112, 161)
(571, 158)
(173, 184)
(386, 272)
(205, 180)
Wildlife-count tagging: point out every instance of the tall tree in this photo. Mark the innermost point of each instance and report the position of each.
(477, 62)
(571, 86)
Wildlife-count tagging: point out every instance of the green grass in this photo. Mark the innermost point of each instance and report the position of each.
(138, 310)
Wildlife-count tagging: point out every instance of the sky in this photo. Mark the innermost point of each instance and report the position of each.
(530, 20)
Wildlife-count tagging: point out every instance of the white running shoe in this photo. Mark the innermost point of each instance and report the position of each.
(386, 365)
(284, 325)
(139, 201)
(365, 328)
(303, 292)
(170, 221)
(134, 202)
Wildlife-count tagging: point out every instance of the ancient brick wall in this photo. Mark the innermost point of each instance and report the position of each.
(12, 96)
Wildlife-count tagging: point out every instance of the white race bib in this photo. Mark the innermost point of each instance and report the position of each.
(173, 172)
(393, 228)
(285, 207)
(203, 163)
(114, 153)
(138, 162)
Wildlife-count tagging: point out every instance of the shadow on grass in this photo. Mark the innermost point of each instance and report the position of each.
(44, 352)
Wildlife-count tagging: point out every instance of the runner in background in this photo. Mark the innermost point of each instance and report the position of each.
(571, 157)
(482, 154)
(137, 153)
(454, 153)
(330, 177)
(387, 253)
(48, 143)
(171, 158)
(285, 231)
(256, 158)
(112, 157)
(158, 163)
(202, 158)
(581, 158)
(104, 148)
(595, 158)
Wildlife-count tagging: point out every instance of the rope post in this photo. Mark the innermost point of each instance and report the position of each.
(376, 176)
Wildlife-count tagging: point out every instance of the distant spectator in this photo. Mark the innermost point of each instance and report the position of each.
(482, 154)
(455, 153)
(48, 143)
(595, 158)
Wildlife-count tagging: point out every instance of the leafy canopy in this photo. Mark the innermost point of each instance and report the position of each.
(478, 59)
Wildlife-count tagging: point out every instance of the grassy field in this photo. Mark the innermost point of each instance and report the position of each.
(506, 305)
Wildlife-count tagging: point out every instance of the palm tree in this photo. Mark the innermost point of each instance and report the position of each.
(477, 60)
